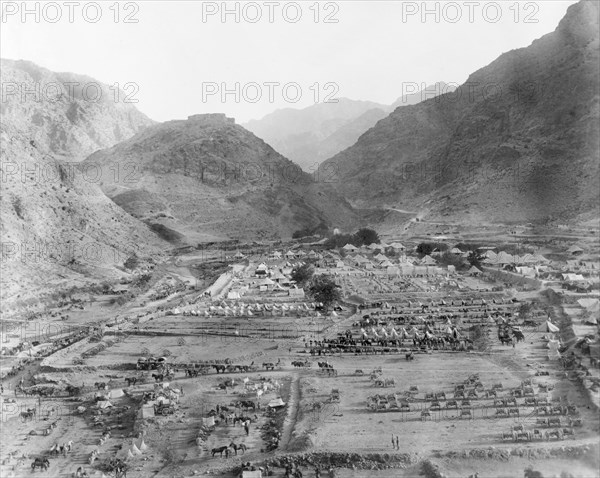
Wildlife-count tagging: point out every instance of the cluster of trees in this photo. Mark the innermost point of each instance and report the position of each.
(450, 259)
(362, 237)
(480, 338)
(320, 230)
(301, 275)
(427, 248)
(324, 289)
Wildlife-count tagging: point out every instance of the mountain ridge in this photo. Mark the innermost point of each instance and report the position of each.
(512, 143)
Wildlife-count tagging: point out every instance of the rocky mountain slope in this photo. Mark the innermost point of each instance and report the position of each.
(66, 114)
(517, 142)
(58, 228)
(207, 178)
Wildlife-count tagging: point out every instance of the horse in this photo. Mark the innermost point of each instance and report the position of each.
(43, 463)
(219, 368)
(235, 447)
(246, 404)
(73, 391)
(131, 381)
(28, 415)
(158, 377)
(220, 450)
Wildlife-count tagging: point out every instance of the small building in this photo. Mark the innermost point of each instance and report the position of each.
(350, 248)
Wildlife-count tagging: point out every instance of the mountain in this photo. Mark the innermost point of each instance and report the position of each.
(206, 178)
(65, 114)
(298, 134)
(311, 135)
(517, 142)
(58, 228)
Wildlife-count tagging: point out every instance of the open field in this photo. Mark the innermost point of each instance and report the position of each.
(327, 370)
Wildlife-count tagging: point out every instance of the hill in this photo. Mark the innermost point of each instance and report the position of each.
(517, 142)
(206, 178)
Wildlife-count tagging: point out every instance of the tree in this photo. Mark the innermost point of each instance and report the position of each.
(366, 236)
(425, 248)
(525, 310)
(531, 473)
(302, 274)
(479, 336)
(475, 259)
(449, 259)
(323, 289)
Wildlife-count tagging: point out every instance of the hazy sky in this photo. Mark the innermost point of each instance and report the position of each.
(178, 50)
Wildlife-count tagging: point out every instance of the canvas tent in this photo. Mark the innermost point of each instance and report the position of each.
(276, 402)
(208, 422)
(102, 404)
(116, 393)
(428, 261)
(573, 277)
(251, 474)
(147, 411)
(526, 271)
(296, 292)
(575, 250)
(591, 304)
(547, 326)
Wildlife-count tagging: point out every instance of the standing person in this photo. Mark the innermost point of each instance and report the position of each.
(397, 443)
(393, 440)
(247, 428)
